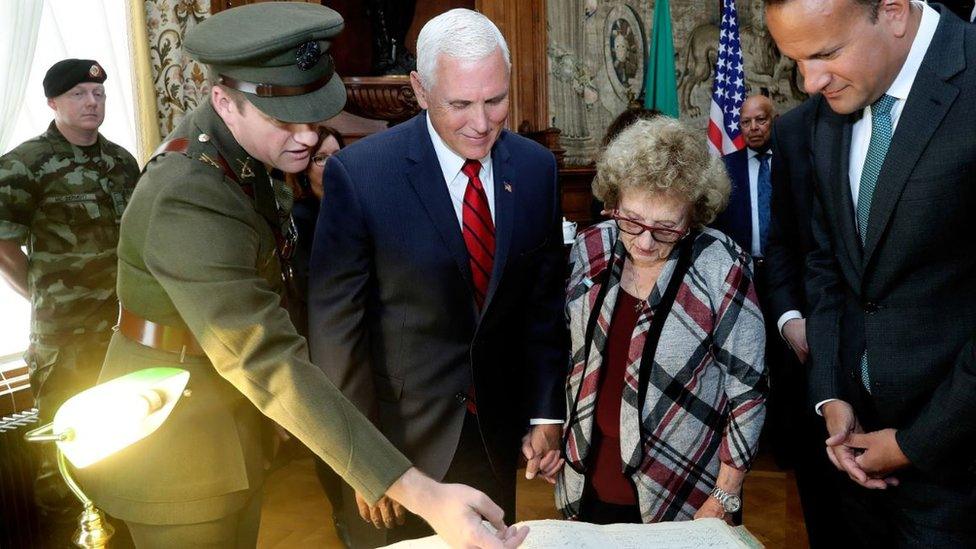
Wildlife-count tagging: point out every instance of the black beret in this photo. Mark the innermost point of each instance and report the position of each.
(68, 73)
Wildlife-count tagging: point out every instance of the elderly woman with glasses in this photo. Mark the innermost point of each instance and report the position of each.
(665, 397)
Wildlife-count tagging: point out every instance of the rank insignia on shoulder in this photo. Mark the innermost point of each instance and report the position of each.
(208, 160)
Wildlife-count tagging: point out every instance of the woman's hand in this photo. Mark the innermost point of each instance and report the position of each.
(713, 509)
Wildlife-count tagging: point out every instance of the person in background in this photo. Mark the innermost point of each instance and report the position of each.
(305, 212)
(666, 395)
(307, 190)
(331, 142)
(436, 279)
(746, 219)
(62, 194)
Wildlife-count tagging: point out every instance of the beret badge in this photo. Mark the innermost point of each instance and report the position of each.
(95, 70)
(307, 55)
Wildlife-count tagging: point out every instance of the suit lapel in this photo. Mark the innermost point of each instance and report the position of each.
(745, 200)
(428, 182)
(505, 190)
(927, 104)
(833, 139)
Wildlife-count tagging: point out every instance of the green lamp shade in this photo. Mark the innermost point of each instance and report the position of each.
(102, 420)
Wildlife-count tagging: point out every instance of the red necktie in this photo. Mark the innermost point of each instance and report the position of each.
(478, 231)
(479, 237)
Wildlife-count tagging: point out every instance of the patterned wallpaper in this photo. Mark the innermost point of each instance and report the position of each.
(180, 82)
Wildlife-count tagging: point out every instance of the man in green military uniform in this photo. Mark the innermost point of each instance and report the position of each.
(201, 256)
(62, 194)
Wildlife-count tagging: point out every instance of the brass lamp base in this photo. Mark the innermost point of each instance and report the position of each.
(93, 531)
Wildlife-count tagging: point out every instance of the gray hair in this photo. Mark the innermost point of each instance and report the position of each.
(459, 33)
(663, 155)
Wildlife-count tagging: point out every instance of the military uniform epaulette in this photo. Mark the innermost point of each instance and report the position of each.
(200, 137)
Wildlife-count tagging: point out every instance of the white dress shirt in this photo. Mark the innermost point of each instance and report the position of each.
(451, 163)
(899, 89)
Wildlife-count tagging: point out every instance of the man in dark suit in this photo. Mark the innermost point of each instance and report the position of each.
(436, 277)
(790, 240)
(892, 278)
(746, 219)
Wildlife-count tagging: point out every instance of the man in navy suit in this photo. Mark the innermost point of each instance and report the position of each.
(891, 280)
(436, 278)
(746, 219)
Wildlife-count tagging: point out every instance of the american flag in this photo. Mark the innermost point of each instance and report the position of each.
(729, 88)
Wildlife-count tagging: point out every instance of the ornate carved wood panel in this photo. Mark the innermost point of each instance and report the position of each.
(523, 22)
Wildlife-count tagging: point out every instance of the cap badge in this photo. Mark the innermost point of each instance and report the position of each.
(307, 55)
(95, 71)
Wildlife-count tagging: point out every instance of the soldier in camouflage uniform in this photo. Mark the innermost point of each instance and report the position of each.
(62, 195)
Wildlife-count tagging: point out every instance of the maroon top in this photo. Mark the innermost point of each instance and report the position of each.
(608, 480)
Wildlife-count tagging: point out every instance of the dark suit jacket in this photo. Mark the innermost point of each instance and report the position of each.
(790, 239)
(392, 315)
(909, 295)
(736, 219)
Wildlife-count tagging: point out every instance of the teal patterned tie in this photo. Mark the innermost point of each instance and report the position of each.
(877, 150)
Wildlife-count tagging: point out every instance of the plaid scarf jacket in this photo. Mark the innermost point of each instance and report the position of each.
(705, 398)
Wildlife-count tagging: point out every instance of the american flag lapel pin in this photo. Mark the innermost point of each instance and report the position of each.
(508, 187)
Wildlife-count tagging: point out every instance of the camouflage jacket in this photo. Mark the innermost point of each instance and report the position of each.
(65, 203)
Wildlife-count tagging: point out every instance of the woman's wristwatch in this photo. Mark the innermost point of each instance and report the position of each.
(730, 502)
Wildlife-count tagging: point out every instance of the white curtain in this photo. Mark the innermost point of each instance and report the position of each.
(58, 29)
(82, 29)
(19, 23)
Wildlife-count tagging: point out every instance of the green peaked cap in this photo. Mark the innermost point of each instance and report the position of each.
(276, 53)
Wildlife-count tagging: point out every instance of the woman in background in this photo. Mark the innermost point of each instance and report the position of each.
(666, 394)
(305, 211)
(307, 187)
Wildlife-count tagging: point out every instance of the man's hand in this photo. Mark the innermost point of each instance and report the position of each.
(455, 512)
(880, 455)
(385, 514)
(841, 424)
(795, 333)
(541, 450)
(712, 508)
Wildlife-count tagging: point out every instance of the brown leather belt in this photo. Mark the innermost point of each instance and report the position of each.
(158, 336)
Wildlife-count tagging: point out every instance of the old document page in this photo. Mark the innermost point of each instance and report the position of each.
(560, 534)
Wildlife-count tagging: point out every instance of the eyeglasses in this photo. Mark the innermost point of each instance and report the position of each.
(320, 159)
(664, 235)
